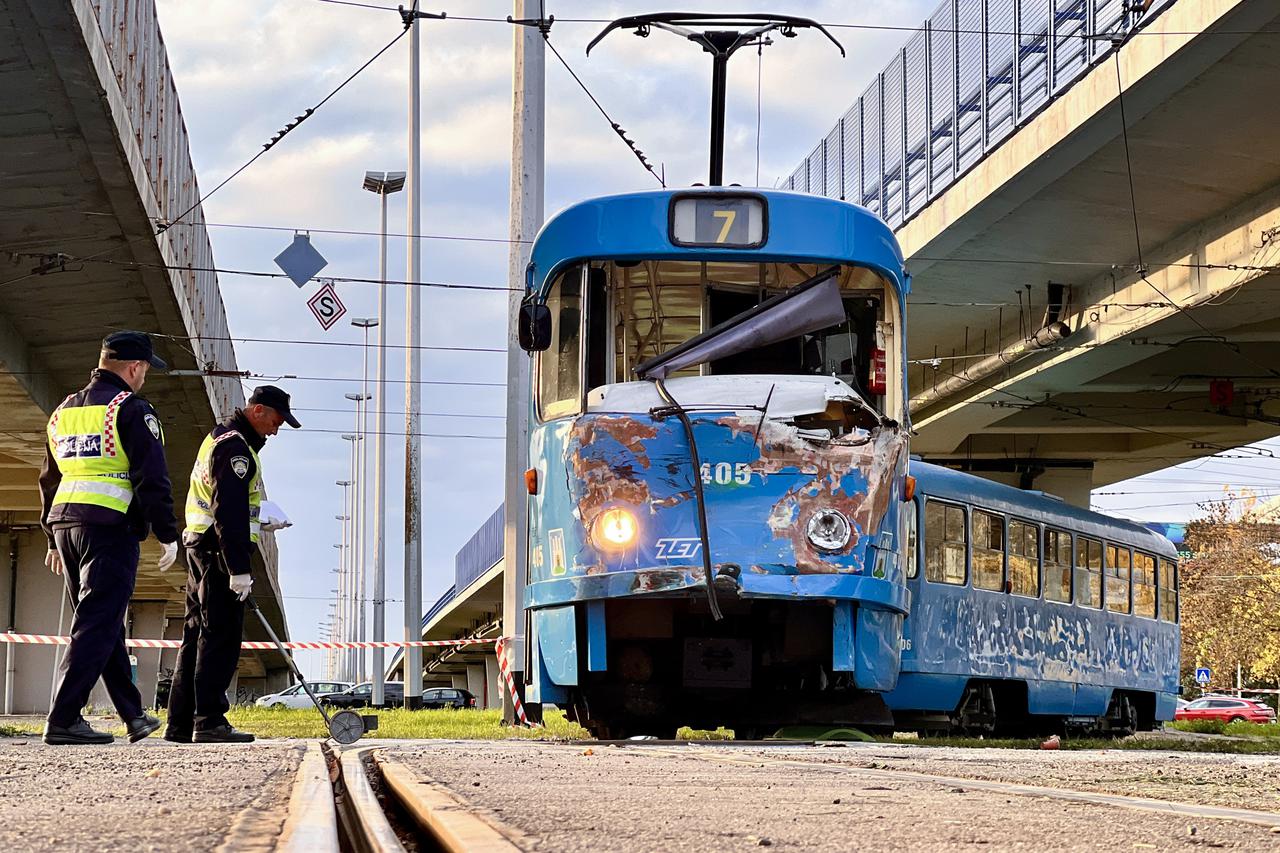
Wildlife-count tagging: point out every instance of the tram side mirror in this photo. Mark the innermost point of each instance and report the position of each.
(535, 327)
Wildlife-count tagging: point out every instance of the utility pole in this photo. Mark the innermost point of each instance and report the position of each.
(528, 99)
(413, 371)
(382, 183)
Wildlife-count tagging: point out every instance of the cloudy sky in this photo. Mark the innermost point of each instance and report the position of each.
(244, 68)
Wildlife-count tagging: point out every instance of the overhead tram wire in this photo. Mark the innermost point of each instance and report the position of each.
(545, 27)
(847, 26)
(301, 342)
(440, 285)
(280, 135)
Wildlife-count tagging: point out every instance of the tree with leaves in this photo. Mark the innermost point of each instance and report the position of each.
(1230, 592)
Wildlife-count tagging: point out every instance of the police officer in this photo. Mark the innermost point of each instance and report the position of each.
(223, 506)
(105, 482)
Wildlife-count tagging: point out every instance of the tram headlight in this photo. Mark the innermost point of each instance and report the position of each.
(615, 529)
(829, 530)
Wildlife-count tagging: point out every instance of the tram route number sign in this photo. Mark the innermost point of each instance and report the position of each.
(1202, 676)
(326, 306)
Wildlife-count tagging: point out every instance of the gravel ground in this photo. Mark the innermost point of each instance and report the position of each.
(602, 798)
(1232, 781)
(149, 796)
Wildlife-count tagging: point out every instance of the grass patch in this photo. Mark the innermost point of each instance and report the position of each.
(18, 731)
(446, 724)
(1220, 727)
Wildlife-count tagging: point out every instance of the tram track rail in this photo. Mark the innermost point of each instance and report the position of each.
(357, 800)
(1175, 807)
(365, 799)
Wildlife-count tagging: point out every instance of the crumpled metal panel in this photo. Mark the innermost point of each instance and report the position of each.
(762, 481)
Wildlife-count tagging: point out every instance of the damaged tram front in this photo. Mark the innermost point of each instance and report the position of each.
(718, 393)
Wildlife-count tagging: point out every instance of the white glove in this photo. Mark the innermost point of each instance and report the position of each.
(272, 516)
(167, 557)
(54, 561)
(241, 584)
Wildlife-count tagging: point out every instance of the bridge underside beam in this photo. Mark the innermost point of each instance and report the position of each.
(1130, 387)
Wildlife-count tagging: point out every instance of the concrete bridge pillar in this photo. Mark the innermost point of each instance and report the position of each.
(493, 683)
(148, 622)
(476, 683)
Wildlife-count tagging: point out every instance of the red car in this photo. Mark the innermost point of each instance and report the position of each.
(1226, 708)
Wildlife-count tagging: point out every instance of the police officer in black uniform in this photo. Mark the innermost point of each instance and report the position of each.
(104, 484)
(223, 523)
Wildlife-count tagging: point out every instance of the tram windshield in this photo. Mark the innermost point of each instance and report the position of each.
(610, 317)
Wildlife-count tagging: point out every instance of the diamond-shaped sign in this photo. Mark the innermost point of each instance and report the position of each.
(301, 261)
(327, 307)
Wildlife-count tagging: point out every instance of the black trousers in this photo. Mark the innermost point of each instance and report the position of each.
(210, 646)
(100, 565)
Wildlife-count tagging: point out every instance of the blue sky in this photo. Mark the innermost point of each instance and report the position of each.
(243, 68)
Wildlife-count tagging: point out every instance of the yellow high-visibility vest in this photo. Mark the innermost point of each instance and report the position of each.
(86, 446)
(200, 494)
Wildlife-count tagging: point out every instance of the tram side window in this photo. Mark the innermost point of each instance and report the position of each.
(1117, 573)
(944, 543)
(988, 551)
(1024, 558)
(909, 526)
(559, 366)
(1168, 591)
(1057, 565)
(1144, 585)
(1088, 572)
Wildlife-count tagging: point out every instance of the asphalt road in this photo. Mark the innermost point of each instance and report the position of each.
(865, 797)
(149, 796)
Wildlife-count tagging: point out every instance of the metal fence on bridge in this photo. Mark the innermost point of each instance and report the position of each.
(975, 71)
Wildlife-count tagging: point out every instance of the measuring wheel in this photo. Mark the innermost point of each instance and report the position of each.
(346, 727)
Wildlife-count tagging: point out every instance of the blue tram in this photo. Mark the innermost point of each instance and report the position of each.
(718, 461)
(1028, 614)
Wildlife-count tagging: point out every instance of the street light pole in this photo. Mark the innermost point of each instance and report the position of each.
(365, 323)
(344, 572)
(382, 183)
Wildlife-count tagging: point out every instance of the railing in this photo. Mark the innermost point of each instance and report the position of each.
(976, 71)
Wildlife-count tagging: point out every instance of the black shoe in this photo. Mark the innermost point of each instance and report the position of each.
(77, 732)
(222, 734)
(176, 736)
(140, 727)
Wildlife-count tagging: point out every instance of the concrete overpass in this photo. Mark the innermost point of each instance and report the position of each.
(94, 153)
(470, 609)
(994, 145)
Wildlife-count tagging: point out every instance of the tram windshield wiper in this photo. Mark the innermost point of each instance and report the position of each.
(812, 305)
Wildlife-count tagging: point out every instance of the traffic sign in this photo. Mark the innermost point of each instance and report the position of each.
(327, 307)
(300, 261)
(1202, 675)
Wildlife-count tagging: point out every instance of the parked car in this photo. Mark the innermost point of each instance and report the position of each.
(296, 697)
(361, 695)
(1226, 708)
(448, 697)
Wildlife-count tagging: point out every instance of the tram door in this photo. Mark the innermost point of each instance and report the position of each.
(910, 544)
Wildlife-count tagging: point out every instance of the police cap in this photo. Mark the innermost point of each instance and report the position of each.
(275, 398)
(132, 346)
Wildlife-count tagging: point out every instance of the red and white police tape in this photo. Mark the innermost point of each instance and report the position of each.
(505, 667)
(135, 643)
(501, 649)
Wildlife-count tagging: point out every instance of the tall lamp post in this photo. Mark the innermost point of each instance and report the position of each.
(362, 483)
(344, 608)
(356, 563)
(383, 184)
